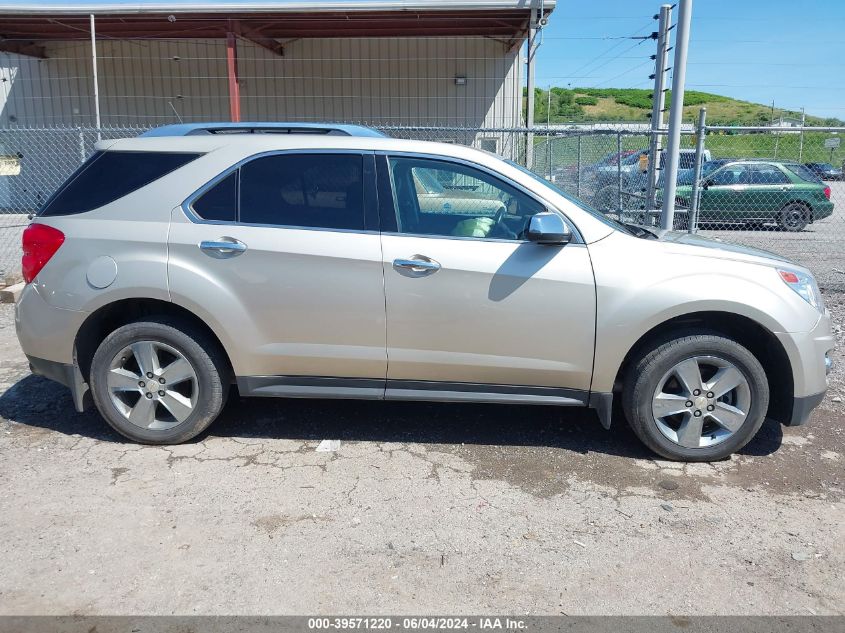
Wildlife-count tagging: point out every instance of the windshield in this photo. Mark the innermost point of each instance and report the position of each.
(633, 159)
(712, 165)
(578, 203)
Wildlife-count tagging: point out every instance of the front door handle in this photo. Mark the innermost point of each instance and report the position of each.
(416, 266)
(223, 247)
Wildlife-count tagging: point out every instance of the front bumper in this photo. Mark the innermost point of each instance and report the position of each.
(802, 409)
(809, 355)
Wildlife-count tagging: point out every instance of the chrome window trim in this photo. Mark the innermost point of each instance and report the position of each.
(194, 217)
(576, 234)
(502, 240)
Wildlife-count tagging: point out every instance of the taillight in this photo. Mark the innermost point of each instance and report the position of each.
(40, 243)
(827, 192)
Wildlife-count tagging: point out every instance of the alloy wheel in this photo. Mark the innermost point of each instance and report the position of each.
(701, 402)
(153, 385)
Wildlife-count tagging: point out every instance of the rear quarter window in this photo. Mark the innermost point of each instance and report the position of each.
(804, 173)
(108, 176)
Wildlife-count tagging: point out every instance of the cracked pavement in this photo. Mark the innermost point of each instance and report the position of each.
(425, 508)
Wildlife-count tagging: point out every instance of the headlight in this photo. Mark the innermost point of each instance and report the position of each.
(804, 285)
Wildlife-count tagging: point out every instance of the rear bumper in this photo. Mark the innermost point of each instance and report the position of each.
(64, 374)
(822, 210)
(45, 331)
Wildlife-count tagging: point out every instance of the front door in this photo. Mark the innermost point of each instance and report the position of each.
(474, 311)
(278, 256)
(724, 197)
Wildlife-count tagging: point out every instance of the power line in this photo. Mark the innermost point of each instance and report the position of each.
(583, 67)
(622, 74)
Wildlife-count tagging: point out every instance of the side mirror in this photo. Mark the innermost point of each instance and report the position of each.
(706, 184)
(548, 228)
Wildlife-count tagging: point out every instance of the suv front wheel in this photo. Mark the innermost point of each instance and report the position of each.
(159, 381)
(696, 398)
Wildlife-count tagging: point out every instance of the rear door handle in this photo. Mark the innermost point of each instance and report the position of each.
(223, 247)
(416, 266)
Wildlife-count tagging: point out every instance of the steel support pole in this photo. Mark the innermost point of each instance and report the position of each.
(676, 114)
(232, 72)
(548, 135)
(619, 173)
(578, 173)
(529, 109)
(801, 140)
(658, 103)
(695, 197)
(94, 72)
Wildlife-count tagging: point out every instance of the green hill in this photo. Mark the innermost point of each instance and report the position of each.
(578, 105)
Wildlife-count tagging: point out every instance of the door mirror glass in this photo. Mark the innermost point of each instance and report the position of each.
(548, 228)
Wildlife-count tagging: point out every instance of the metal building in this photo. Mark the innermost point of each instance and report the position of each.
(403, 62)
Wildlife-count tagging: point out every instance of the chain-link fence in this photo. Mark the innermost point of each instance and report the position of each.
(782, 190)
(33, 163)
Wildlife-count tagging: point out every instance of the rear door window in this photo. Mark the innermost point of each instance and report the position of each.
(304, 190)
(803, 172)
(765, 174)
(109, 176)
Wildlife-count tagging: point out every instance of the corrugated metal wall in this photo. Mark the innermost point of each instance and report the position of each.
(387, 81)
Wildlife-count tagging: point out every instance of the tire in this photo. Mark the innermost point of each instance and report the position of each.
(794, 217)
(657, 369)
(181, 409)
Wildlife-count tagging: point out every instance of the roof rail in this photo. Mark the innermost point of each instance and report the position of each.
(329, 129)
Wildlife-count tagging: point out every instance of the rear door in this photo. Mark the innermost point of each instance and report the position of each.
(474, 311)
(282, 257)
(770, 191)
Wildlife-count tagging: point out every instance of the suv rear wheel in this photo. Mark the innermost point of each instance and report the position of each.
(696, 398)
(159, 381)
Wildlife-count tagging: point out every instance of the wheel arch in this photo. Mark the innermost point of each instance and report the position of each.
(107, 318)
(751, 334)
(808, 207)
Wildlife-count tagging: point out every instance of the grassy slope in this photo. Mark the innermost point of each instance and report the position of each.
(627, 104)
(564, 150)
(630, 104)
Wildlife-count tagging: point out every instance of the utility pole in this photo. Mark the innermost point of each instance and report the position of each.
(676, 114)
(658, 103)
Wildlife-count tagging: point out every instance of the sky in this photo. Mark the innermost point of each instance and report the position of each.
(789, 51)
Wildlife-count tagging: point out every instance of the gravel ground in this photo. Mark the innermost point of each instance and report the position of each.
(423, 508)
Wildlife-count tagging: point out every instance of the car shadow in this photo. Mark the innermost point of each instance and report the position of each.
(39, 403)
(520, 266)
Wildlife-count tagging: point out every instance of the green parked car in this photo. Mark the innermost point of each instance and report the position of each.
(758, 192)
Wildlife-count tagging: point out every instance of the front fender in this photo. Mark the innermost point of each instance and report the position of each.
(661, 284)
